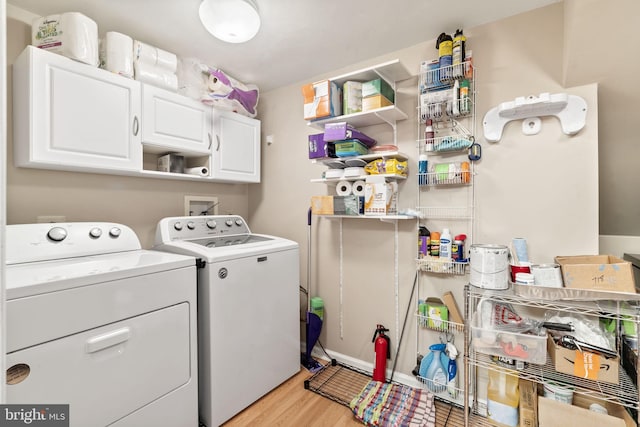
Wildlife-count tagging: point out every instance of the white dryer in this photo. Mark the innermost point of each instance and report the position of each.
(248, 309)
(96, 322)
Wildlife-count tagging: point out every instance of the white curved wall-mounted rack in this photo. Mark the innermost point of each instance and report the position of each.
(571, 110)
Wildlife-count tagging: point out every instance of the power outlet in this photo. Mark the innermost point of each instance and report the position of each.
(50, 218)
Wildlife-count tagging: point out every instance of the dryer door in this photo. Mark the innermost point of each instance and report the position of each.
(109, 372)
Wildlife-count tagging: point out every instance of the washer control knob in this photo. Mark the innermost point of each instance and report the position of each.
(95, 232)
(229, 223)
(211, 224)
(178, 226)
(115, 232)
(239, 222)
(57, 234)
(191, 225)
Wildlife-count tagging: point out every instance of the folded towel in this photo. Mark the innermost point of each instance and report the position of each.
(383, 404)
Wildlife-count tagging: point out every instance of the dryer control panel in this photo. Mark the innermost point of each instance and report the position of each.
(197, 227)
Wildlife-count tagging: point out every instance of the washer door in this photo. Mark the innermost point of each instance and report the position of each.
(106, 373)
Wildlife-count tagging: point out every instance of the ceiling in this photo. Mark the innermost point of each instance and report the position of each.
(298, 39)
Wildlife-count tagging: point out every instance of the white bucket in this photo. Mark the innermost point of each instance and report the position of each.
(556, 391)
(489, 266)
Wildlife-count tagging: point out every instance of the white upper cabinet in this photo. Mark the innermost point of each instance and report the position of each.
(236, 147)
(71, 116)
(172, 122)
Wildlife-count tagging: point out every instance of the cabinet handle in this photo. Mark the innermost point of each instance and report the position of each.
(136, 126)
(210, 141)
(109, 339)
(218, 140)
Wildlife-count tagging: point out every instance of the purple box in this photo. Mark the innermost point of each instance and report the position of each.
(343, 130)
(318, 147)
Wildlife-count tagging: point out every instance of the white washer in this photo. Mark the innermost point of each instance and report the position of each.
(96, 322)
(248, 309)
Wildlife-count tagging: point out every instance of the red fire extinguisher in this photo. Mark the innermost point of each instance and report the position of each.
(382, 353)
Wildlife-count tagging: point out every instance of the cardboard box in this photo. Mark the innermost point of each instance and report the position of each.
(351, 97)
(553, 413)
(583, 364)
(454, 312)
(321, 99)
(597, 272)
(528, 403)
(436, 312)
(342, 130)
(374, 102)
(322, 205)
(378, 87)
(318, 147)
(380, 197)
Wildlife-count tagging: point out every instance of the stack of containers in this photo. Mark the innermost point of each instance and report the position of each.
(155, 66)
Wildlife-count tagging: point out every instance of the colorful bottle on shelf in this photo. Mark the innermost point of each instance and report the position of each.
(435, 244)
(445, 244)
(429, 135)
(457, 248)
(465, 102)
(422, 169)
(444, 44)
(459, 41)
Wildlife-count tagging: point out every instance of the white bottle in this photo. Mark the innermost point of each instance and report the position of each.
(445, 244)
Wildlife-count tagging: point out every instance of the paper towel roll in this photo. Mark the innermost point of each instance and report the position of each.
(152, 55)
(357, 188)
(71, 34)
(155, 76)
(201, 171)
(343, 188)
(116, 54)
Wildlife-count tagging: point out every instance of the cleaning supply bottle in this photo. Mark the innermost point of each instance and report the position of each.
(465, 102)
(444, 44)
(422, 169)
(445, 244)
(432, 370)
(503, 396)
(429, 135)
(434, 249)
(424, 240)
(457, 57)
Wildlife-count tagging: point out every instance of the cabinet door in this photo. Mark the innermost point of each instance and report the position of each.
(236, 147)
(172, 122)
(72, 116)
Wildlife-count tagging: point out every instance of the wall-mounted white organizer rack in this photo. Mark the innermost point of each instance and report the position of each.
(392, 72)
(445, 197)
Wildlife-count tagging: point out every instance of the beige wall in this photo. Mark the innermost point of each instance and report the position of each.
(543, 187)
(137, 202)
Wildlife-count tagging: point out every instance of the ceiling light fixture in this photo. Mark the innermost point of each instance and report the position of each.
(232, 21)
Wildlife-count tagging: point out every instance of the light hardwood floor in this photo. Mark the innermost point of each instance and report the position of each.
(291, 405)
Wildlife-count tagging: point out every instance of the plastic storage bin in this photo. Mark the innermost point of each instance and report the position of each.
(511, 345)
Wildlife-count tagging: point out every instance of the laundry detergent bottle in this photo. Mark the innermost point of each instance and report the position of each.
(433, 371)
(503, 396)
